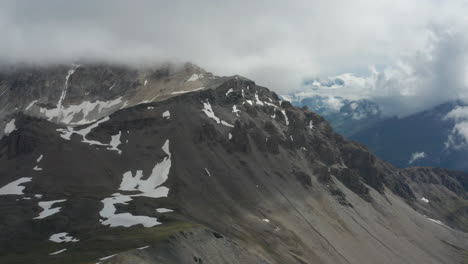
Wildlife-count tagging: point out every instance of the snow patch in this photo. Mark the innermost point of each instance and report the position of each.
(195, 77)
(435, 221)
(164, 210)
(47, 209)
(274, 114)
(229, 91)
(14, 188)
(62, 237)
(166, 114)
(285, 117)
(69, 131)
(257, 100)
(235, 110)
(115, 143)
(229, 136)
(30, 105)
(58, 252)
(209, 112)
(108, 257)
(110, 88)
(123, 219)
(83, 110)
(266, 220)
(37, 168)
(10, 127)
(207, 172)
(65, 87)
(141, 248)
(182, 92)
(425, 200)
(270, 104)
(151, 187)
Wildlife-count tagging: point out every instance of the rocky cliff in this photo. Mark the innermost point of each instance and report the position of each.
(227, 173)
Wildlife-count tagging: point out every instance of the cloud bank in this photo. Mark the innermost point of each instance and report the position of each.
(417, 47)
(414, 83)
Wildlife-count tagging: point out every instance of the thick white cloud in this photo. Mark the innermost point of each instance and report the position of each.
(415, 82)
(458, 137)
(279, 44)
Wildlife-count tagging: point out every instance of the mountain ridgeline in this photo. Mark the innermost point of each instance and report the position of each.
(112, 164)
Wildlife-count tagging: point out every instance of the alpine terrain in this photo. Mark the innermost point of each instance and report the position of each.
(115, 164)
(434, 137)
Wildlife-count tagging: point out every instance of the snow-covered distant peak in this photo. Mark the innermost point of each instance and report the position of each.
(332, 105)
(347, 86)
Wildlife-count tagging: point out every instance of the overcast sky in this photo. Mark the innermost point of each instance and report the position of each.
(417, 48)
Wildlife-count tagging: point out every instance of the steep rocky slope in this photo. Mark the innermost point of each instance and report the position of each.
(225, 174)
(79, 94)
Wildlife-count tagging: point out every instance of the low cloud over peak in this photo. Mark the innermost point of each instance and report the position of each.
(419, 46)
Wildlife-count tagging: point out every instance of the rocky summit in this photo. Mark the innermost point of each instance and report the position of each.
(113, 164)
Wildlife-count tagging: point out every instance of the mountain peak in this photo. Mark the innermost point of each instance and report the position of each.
(224, 173)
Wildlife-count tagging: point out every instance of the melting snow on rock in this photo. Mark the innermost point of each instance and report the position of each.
(285, 117)
(10, 127)
(58, 252)
(195, 77)
(209, 112)
(62, 237)
(37, 168)
(182, 92)
(257, 100)
(115, 143)
(435, 221)
(150, 187)
(141, 248)
(166, 114)
(69, 131)
(14, 187)
(85, 111)
(47, 209)
(123, 219)
(164, 210)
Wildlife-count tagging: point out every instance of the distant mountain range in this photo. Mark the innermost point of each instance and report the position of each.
(347, 117)
(429, 138)
(434, 137)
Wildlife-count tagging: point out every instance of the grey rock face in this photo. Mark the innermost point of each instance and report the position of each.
(225, 174)
(80, 94)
